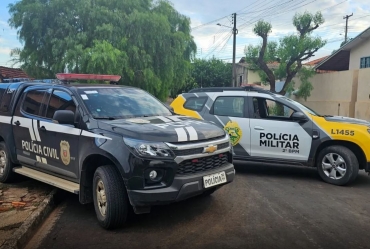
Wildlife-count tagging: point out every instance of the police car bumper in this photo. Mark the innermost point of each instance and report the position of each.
(184, 187)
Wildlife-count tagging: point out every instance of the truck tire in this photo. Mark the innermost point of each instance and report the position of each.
(6, 165)
(110, 197)
(337, 165)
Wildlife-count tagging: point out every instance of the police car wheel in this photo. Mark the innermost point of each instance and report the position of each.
(337, 165)
(110, 197)
(6, 165)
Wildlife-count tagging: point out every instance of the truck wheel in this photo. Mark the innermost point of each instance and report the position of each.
(337, 165)
(6, 165)
(110, 197)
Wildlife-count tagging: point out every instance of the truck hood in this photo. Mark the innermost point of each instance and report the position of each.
(342, 119)
(164, 128)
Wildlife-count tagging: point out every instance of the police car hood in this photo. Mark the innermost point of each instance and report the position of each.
(342, 119)
(164, 128)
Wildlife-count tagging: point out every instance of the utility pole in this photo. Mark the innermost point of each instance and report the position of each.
(235, 31)
(345, 35)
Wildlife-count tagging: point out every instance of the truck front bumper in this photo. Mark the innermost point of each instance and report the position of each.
(183, 187)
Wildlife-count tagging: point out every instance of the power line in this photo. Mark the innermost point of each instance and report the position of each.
(265, 13)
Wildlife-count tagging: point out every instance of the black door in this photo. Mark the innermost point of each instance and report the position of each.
(27, 142)
(60, 141)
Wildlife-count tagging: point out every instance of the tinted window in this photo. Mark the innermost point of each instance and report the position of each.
(32, 102)
(195, 104)
(229, 106)
(114, 102)
(3, 88)
(7, 97)
(267, 108)
(59, 100)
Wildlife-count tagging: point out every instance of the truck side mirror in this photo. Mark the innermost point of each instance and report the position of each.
(299, 116)
(64, 117)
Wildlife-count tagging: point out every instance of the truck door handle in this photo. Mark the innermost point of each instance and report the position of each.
(259, 128)
(42, 128)
(17, 123)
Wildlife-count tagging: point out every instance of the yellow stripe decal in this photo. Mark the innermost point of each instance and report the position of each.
(341, 131)
(178, 106)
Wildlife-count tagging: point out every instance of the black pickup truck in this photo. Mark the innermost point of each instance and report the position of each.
(116, 146)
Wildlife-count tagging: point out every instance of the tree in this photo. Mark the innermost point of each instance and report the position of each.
(289, 52)
(147, 42)
(206, 73)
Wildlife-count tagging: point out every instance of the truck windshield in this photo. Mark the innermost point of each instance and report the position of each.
(118, 103)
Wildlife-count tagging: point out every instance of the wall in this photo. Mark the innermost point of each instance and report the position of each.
(253, 77)
(363, 95)
(346, 93)
(357, 53)
(241, 70)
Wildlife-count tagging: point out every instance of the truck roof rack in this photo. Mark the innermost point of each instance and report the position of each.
(222, 89)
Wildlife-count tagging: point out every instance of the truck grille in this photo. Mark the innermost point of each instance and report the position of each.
(197, 150)
(197, 165)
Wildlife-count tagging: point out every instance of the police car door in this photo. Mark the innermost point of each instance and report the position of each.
(41, 143)
(61, 142)
(28, 145)
(229, 110)
(274, 135)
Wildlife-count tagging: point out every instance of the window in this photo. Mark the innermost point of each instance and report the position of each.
(7, 97)
(365, 62)
(270, 109)
(59, 100)
(229, 106)
(121, 102)
(240, 79)
(32, 102)
(195, 104)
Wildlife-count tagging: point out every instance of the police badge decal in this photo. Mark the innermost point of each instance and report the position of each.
(64, 152)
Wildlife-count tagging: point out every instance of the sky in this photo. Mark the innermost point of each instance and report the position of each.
(214, 40)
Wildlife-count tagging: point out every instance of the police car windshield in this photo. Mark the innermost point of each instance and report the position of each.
(117, 103)
(301, 106)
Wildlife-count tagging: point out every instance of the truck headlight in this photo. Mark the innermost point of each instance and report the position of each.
(149, 149)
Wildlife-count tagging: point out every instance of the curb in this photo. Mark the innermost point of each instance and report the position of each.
(22, 235)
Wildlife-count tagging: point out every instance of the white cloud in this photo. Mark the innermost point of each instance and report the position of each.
(5, 51)
(280, 16)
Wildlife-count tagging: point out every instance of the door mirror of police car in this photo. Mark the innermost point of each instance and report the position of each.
(64, 117)
(299, 116)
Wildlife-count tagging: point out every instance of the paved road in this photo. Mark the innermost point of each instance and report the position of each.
(265, 207)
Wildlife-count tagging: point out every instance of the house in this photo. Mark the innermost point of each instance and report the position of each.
(355, 54)
(8, 74)
(312, 64)
(247, 75)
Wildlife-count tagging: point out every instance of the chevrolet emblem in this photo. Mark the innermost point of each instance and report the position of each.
(210, 149)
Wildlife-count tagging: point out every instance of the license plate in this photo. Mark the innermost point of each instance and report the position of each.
(214, 179)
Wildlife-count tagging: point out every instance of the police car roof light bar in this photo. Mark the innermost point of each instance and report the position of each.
(75, 76)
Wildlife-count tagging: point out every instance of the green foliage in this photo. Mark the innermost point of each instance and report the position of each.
(206, 73)
(212, 72)
(290, 52)
(147, 42)
(262, 28)
(304, 90)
